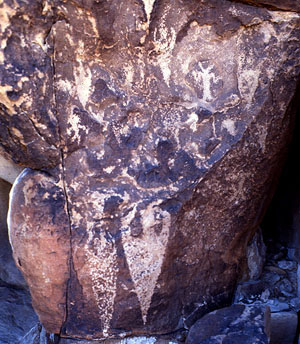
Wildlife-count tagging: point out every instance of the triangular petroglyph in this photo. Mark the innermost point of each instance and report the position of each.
(148, 6)
(145, 253)
(103, 269)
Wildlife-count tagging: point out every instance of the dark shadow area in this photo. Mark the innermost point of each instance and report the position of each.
(281, 224)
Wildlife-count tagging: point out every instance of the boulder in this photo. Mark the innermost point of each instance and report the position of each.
(38, 215)
(153, 134)
(8, 170)
(284, 328)
(38, 335)
(9, 273)
(17, 316)
(232, 325)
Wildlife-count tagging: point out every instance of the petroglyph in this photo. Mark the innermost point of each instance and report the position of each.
(229, 125)
(103, 270)
(83, 79)
(148, 6)
(206, 80)
(145, 253)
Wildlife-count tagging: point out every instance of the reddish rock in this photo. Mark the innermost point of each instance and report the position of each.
(39, 235)
(158, 131)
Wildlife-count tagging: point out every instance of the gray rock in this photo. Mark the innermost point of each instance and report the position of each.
(278, 306)
(38, 335)
(295, 303)
(275, 269)
(286, 286)
(17, 316)
(250, 291)
(8, 170)
(235, 324)
(283, 327)
(9, 274)
(271, 278)
(256, 254)
(129, 340)
(287, 265)
(298, 281)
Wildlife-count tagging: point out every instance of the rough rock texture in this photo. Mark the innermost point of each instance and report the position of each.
(256, 255)
(9, 274)
(284, 328)
(153, 133)
(17, 316)
(38, 335)
(286, 5)
(39, 217)
(8, 170)
(276, 289)
(232, 325)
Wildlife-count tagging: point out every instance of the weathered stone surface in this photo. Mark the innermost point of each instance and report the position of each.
(41, 244)
(38, 335)
(8, 170)
(283, 327)
(256, 254)
(159, 130)
(287, 5)
(9, 274)
(232, 325)
(17, 316)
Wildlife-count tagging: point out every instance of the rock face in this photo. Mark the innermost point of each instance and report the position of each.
(9, 274)
(152, 133)
(8, 170)
(232, 325)
(17, 316)
(284, 328)
(287, 5)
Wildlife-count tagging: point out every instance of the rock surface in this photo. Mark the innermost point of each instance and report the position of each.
(277, 289)
(8, 170)
(9, 273)
(152, 132)
(232, 325)
(287, 5)
(38, 335)
(17, 316)
(283, 328)
(39, 217)
(256, 254)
